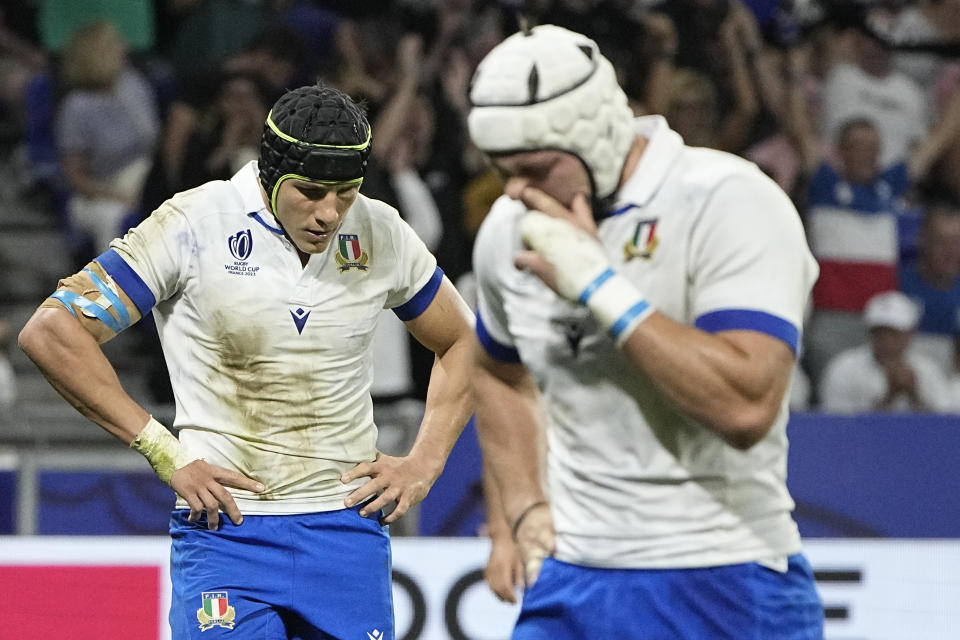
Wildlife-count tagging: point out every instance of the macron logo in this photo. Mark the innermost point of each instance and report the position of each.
(376, 634)
(300, 319)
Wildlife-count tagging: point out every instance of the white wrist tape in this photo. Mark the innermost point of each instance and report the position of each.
(584, 274)
(616, 304)
(161, 449)
(576, 256)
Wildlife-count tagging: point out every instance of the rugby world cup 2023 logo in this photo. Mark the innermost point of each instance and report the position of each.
(241, 246)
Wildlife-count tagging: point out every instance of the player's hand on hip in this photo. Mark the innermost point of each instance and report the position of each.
(536, 539)
(564, 250)
(401, 480)
(203, 486)
(504, 570)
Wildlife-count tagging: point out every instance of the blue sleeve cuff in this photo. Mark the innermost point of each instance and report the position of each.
(421, 299)
(128, 280)
(749, 319)
(497, 350)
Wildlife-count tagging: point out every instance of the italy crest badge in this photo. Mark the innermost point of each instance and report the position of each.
(349, 254)
(216, 611)
(644, 241)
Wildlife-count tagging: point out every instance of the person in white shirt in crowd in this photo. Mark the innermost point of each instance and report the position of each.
(869, 87)
(885, 374)
(107, 127)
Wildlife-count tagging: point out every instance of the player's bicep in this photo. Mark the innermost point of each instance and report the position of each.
(445, 320)
(94, 299)
(771, 359)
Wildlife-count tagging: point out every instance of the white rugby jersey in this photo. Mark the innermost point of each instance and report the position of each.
(271, 362)
(711, 242)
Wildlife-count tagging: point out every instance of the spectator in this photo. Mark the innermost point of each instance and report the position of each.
(278, 59)
(228, 136)
(925, 22)
(885, 374)
(852, 229)
(868, 87)
(693, 107)
(934, 282)
(106, 128)
(854, 223)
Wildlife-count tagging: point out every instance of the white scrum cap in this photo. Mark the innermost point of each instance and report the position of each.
(550, 88)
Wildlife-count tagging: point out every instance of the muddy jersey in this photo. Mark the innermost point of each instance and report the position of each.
(271, 361)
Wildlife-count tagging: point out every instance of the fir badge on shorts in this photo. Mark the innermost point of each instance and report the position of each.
(216, 611)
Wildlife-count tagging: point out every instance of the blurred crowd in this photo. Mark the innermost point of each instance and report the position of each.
(109, 107)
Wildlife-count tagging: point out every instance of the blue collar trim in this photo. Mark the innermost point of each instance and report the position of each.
(256, 216)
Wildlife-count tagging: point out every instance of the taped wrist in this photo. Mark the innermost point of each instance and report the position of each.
(616, 304)
(161, 449)
(577, 257)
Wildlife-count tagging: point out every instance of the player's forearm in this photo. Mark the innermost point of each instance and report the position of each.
(73, 363)
(497, 525)
(732, 390)
(448, 407)
(508, 425)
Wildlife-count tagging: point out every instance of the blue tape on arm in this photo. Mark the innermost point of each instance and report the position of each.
(66, 305)
(71, 298)
(123, 316)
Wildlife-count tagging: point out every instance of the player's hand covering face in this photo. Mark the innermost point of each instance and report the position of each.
(558, 174)
(565, 252)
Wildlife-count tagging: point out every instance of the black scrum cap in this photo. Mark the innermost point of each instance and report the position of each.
(314, 133)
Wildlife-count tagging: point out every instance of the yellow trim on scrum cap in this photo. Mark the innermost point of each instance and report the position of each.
(289, 138)
(287, 176)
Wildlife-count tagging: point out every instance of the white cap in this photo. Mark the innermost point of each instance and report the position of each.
(891, 309)
(551, 89)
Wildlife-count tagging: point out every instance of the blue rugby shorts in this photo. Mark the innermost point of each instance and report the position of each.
(735, 602)
(303, 577)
